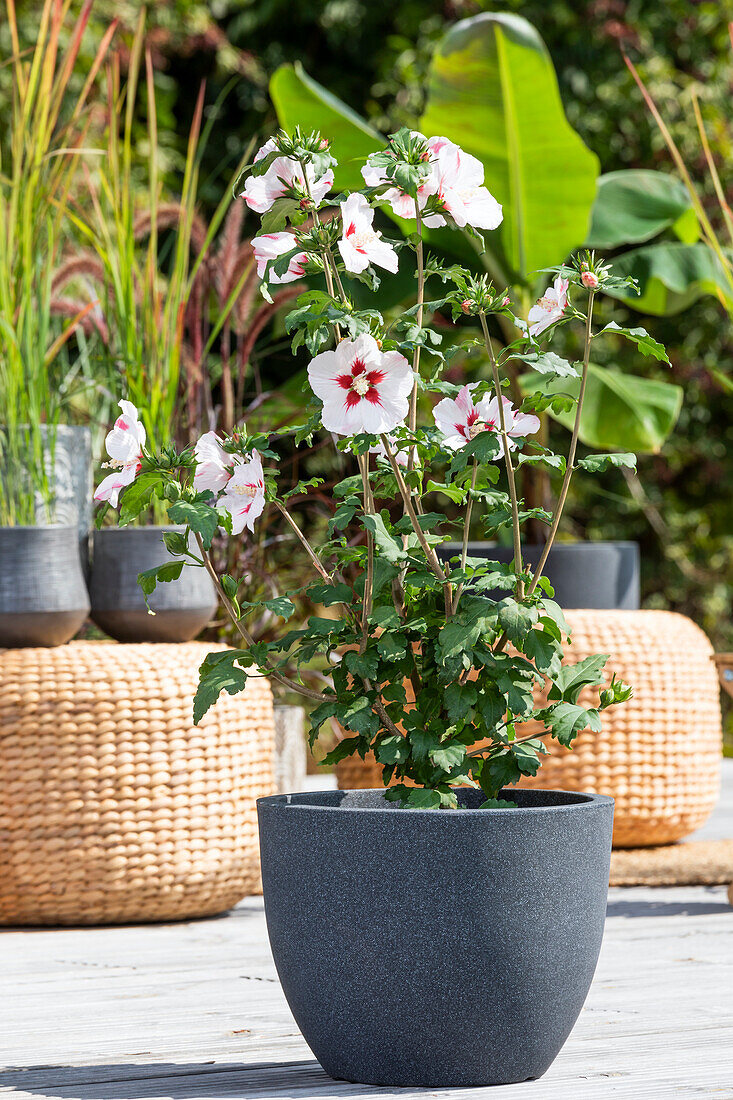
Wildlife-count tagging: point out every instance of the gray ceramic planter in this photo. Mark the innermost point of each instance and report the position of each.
(603, 575)
(70, 474)
(434, 948)
(43, 597)
(182, 607)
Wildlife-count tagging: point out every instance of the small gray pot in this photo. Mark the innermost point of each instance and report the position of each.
(603, 575)
(43, 597)
(70, 474)
(182, 607)
(435, 948)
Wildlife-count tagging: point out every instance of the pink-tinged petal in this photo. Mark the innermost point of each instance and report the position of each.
(244, 498)
(258, 194)
(213, 464)
(364, 348)
(482, 211)
(525, 424)
(354, 261)
(398, 376)
(109, 489)
(360, 244)
(488, 408)
(125, 441)
(383, 255)
(448, 417)
(320, 187)
(373, 176)
(323, 372)
(463, 399)
(269, 147)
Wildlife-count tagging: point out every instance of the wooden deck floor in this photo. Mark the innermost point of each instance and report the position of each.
(194, 1011)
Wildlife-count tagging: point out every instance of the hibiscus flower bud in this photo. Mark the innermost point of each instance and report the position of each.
(379, 344)
(324, 143)
(304, 204)
(589, 280)
(466, 305)
(506, 301)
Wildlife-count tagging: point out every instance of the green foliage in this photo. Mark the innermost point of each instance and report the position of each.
(620, 411)
(39, 158)
(492, 89)
(301, 100)
(635, 205)
(673, 276)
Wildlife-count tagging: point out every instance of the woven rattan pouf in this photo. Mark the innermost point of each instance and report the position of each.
(114, 807)
(659, 754)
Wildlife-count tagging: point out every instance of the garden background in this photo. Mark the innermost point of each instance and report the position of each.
(375, 57)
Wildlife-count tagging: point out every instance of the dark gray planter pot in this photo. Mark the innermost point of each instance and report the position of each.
(182, 607)
(43, 597)
(584, 574)
(435, 948)
(70, 473)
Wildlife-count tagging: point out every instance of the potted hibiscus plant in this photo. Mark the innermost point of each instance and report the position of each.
(416, 928)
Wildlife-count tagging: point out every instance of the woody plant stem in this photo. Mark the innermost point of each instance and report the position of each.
(571, 453)
(516, 532)
(285, 681)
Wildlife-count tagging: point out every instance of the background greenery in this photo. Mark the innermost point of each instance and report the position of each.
(374, 55)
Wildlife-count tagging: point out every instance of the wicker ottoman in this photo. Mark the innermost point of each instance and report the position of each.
(659, 754)
(113, 806)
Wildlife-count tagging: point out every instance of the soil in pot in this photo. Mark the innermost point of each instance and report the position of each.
(601, 575)
(182, 607)
(435, 948)
(43, 597)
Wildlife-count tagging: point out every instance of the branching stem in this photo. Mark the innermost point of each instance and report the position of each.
(571, 453)
(466, 532)
(285, 681)
(369, 577)
(304, 541)
(506, 443)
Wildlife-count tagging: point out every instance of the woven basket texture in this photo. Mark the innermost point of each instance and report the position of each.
(113, 806)
(659, 754)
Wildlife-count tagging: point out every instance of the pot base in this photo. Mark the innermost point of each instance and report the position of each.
(142, 626)
(21, 629)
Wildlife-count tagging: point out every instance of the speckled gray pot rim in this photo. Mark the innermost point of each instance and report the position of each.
(586, 801)
(144, 527)
(38, 527)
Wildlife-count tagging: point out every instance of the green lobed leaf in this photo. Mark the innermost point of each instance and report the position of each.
(567, 720)
(571, 679)
(596, 463)
(547, 362)
(168, 571)
(639, 336)
(387, 545)
(347, 746)
(199, 516)
(137, 496)
(224, 675)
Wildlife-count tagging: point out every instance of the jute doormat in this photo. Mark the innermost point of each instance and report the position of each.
(696, 863)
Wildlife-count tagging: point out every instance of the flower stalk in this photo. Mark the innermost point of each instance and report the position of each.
(570, 466)
(516, 527)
